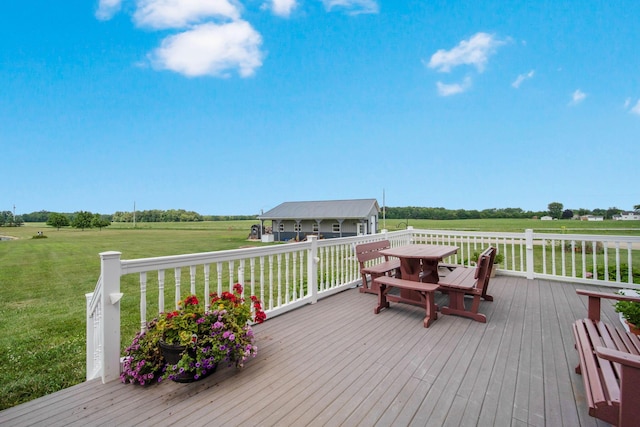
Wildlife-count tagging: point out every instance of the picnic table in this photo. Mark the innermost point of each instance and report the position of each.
(420, 262)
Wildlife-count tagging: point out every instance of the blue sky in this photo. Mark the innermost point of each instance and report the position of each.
(233, 107)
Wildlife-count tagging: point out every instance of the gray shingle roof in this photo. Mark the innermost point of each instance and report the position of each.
(334, 209)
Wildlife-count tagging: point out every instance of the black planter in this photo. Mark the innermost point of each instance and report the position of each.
(172, 354)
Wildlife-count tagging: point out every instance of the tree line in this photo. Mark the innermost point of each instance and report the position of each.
(554, 209)
(84, 219)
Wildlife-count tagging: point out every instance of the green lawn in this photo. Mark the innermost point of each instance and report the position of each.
(43, 283)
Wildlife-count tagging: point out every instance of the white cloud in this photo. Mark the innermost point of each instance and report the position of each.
(577, 97)
(354, 7)
(211, 50)
(182, 13)
(108, 8)
(282, 7)
(454, 88)
(475, 51)
(627, 103)
(521, 78)
(636, 108)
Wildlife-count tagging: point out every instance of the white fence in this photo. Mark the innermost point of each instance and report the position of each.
(287, 276)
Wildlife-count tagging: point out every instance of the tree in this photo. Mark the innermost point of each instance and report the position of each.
(567, 214)
(555, 209)
(99, 221)
(57, 220)
(636, 208)
(82, 220)
(612, 211)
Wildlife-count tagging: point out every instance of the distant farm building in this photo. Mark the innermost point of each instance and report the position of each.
(627, 216)
(326, 219)
(546, 218)
(591, 218)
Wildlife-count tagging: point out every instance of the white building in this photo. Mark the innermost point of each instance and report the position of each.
(627, 216)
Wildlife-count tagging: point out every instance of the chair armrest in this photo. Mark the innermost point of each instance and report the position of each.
(594, 301)
(607, 295)
(621, 357)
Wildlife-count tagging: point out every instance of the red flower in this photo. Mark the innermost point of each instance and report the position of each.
(191, 300)
(260, 316)
(237, 288)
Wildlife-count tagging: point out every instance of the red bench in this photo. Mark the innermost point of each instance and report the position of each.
(609, 364)
(366, 254)
(468, 281)
(425, 290)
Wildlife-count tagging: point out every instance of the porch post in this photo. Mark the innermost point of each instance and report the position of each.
(110, 300)
(528, 235)
(312, 268)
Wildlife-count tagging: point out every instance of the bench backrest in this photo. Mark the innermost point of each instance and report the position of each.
(483, 269)
(368, 251)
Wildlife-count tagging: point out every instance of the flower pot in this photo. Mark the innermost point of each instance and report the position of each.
(633, 328)
(172, 354)
(494, 267)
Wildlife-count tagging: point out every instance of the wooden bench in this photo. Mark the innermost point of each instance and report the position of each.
(468, 281)
(426, 291)
(368, 252)
(609, 362)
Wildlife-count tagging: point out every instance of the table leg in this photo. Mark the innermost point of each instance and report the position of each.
(431, 310)
(430, 271)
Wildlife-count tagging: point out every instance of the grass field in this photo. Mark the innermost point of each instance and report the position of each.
(43, 283)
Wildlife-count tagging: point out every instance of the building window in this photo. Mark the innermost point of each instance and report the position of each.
(336, 227)
(297, 227)
(315, 227)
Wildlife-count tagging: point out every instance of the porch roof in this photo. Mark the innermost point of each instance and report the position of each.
(332, 209)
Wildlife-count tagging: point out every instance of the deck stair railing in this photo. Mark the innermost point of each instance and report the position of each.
(287, 276)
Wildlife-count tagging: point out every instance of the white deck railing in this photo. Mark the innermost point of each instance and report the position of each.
(290, 275)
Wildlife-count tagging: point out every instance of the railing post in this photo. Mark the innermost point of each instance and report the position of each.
(528, 236)
(90, 351)
(312, 268)
(111, 272)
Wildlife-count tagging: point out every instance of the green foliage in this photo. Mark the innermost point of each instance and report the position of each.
(156, 215)
(412, 212)
(624, 273)
(7, 219)
(555, 209)
(57, 220)
(630, 311)
(99, 221)
(82, 220)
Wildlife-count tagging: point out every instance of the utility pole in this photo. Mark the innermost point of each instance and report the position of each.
(384, 212)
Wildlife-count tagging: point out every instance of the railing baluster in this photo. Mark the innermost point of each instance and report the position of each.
(143, 301)
(192, 277)
(177, 275)
(207, 292)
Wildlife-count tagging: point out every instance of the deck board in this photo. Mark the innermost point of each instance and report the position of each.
(338, 363)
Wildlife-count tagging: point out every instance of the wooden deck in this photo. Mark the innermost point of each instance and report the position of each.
(336, 363)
